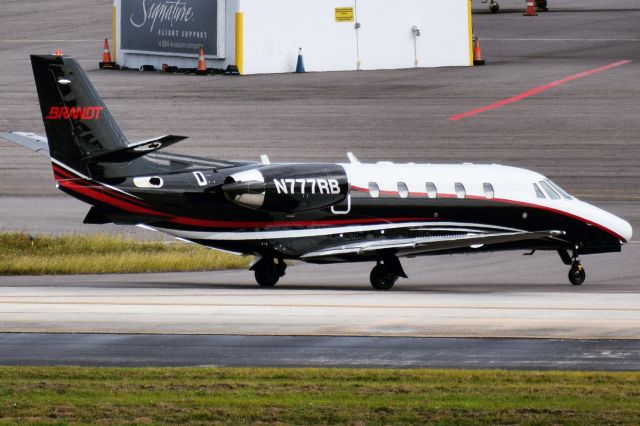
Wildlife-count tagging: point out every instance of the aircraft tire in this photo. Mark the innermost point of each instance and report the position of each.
(541, 4)
(381, 278)
(494, 7)
(267, 277)
(577, 275)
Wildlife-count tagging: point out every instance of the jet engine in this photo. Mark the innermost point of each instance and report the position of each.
(288, 187)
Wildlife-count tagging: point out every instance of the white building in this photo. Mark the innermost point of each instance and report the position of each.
(263, 36)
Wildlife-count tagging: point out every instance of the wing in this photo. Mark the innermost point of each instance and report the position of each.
(417, 245)
(32, 141)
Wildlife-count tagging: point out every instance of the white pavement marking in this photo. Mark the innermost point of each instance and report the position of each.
(319, 312)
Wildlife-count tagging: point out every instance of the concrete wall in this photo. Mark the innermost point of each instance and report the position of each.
(274, 30)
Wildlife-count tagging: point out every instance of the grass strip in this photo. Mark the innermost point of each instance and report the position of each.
(198, 396)
(22, 254)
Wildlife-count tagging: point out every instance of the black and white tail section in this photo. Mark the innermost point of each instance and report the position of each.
(78, 124)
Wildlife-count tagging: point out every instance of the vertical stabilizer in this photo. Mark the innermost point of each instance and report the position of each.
(78, 124)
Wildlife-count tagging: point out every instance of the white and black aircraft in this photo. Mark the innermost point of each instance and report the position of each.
(319, 212)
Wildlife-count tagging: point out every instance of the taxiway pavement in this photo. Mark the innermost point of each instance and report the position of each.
(317, 351)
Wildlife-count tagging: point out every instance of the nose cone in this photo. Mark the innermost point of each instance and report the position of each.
(609, 222)
(623, 228)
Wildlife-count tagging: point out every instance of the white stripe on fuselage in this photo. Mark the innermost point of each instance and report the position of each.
(302, 233)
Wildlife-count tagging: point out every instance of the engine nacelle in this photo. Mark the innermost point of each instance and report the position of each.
(288, 187)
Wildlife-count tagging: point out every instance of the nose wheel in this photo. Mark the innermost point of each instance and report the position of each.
(577, 274)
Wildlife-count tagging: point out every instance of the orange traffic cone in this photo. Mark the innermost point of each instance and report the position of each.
(106, 56)
(531, 8)
(477, 53)
(202, 65)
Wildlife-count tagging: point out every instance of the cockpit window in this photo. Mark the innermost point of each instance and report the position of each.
(562, 192)
(539, 192)
(460, 191)
(549, 190)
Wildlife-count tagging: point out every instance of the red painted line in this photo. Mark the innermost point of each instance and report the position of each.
(536, 90)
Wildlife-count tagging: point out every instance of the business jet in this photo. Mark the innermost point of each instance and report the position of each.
(313, 212)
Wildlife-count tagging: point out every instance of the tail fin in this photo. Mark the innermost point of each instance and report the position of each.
(78, 124)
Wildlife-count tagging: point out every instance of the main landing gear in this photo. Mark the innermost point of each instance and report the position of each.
(577, 274)
(268, 271)
(386, 272)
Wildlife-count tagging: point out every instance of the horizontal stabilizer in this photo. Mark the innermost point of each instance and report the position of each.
(137, 149)
(32, 141)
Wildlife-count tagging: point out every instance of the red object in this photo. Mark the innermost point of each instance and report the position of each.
(537, 90)
(477, 53)
(58, 52)
(106, 55)
(202, 66)
(531, 8)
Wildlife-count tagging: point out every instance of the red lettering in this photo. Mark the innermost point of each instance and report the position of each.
(74, 113)
(54, 113)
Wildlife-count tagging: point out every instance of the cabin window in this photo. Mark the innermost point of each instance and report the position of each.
(460, 191)
(561, 191)
(488, 190)
(539, 192)
(403, 191)
(432, 191)
(374, 191)
(550, 191)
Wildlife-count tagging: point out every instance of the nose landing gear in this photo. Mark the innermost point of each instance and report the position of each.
(577, 274)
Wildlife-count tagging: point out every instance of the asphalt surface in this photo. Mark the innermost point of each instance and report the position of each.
(317, 351)
(582, 133)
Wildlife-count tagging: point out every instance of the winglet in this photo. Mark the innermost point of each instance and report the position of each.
(352, 158)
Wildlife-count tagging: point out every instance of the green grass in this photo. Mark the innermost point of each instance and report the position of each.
(70, 395)
(21, 254)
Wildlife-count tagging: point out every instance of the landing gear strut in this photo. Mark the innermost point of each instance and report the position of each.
(268, 271)
(577, 274)
(384, 275)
